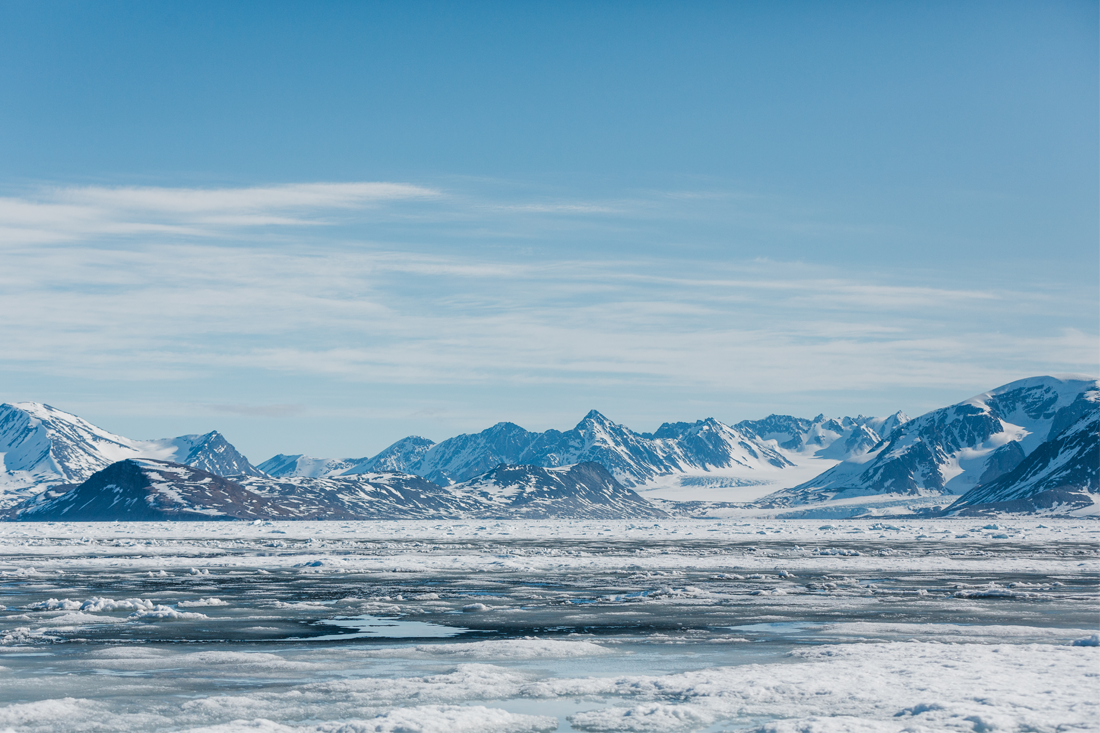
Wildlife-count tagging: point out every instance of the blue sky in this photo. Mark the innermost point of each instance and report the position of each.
(319, 227)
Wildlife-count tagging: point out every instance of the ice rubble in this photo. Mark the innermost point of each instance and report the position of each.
(888, 686)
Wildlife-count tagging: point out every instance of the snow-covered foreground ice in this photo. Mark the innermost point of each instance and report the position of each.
(550, 626)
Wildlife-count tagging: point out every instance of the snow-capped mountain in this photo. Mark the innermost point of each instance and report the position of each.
(459, 458)
(398, 457)
(41, 446)
(1062, 474)
(954, 449)
(824, 437)
(148, 490)
(632, 458)
(582, 491)
(304, 466)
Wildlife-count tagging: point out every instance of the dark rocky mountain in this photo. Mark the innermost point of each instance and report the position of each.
(1061, 475)
(954, 449)
(149, 490)
(583, 491)
(363, 496)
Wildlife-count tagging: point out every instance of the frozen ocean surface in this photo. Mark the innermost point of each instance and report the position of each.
(422, 627)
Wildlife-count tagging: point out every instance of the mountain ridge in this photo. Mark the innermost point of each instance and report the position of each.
(633, 458)
(998, 448)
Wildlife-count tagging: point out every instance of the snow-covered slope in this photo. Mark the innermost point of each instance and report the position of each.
(583, 491)
(465, 456)
(1062, 475)
(953, 449)
(398, 457)
(299, 465)
(41, 446)
(149, 490)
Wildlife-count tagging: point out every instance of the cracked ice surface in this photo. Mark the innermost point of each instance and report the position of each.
(550, 626)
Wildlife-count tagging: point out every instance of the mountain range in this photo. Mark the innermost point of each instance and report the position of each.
(1030, 445)
(632, 458)
(142, 489)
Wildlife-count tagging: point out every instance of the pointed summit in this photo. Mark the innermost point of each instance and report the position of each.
(594, 416)
(212, 452)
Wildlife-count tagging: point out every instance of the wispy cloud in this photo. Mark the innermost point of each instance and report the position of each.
(173, 311)
(59, 214)
(199, 295)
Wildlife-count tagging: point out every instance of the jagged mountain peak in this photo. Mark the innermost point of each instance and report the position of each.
(212, 452)
(594, 417)
(631, 457)
(504, 426)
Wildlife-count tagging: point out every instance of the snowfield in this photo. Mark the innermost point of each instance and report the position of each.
(655, 625)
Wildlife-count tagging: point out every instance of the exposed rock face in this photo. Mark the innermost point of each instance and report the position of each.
(583, 491)
(1063, 472)
(150, 490)
(398, 457)
(212, 452)
(1001, 461)
(363, 496)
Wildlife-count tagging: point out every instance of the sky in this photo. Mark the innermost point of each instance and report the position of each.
(321, 227)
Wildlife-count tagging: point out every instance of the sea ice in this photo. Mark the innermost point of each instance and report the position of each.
(583, 626)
